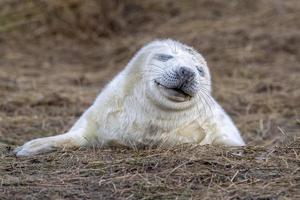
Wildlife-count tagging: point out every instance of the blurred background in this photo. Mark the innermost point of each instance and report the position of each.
(55, 56)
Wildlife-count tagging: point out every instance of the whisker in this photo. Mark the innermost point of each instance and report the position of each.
(169, 45)
(174, 46)
(157, 67)
(204, 104)
(208, 104)
(210, 99)
(203, 83)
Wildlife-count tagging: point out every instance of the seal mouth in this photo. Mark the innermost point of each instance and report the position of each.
(174, 94)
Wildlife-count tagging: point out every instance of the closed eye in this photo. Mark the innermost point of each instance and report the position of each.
(163, 57)
(201, 71)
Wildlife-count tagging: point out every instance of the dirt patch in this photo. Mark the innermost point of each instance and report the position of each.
(56, 57)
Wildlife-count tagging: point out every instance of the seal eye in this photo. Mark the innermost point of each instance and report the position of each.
(200, 70)
(163, 57)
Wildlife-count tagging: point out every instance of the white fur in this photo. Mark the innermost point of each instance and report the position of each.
(131, 111)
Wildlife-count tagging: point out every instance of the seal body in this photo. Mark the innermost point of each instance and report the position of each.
(161, 98)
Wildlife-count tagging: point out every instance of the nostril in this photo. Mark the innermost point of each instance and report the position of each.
(183, 71)
(186, 73)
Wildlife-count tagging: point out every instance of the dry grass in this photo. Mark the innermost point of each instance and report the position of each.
(183, 172)
(56, 56)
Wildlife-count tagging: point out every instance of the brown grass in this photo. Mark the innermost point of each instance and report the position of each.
(56, 56)
(199, 172)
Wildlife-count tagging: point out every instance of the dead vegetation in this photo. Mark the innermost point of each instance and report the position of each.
(56, 55)
(183, 172)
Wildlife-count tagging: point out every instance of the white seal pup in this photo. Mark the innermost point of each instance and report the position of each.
(162, 97)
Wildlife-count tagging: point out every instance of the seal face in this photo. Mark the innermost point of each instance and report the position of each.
(162, 97)
(179, 85)
(179, 76)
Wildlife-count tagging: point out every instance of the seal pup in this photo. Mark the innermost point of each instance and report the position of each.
(162, 97)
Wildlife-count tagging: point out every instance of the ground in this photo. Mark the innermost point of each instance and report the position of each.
(51, 71)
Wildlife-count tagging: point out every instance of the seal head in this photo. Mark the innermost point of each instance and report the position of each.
(177, 75)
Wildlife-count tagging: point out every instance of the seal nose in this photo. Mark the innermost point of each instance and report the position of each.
(186, 74)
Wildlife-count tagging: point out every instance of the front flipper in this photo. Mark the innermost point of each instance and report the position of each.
(47, 144)
(224, 132)
(83, 133)
(228, 141)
